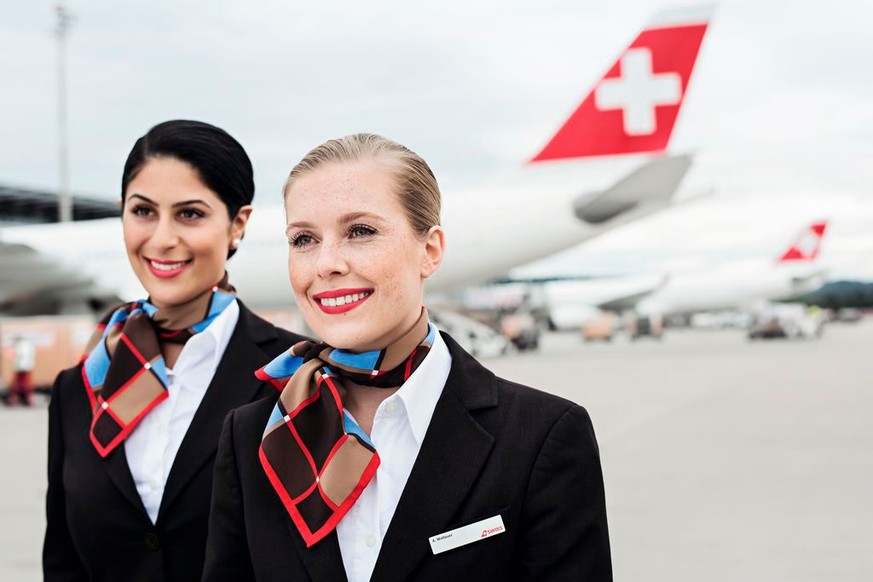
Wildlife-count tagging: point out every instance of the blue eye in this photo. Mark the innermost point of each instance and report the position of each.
(361, 230)
(300, 240)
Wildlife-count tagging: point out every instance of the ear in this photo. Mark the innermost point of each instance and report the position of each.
(238, 225)
(434, 247)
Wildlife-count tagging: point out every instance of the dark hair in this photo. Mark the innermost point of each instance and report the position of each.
(218, 158)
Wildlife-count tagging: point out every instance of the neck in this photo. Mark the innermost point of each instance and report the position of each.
(362, 402)
(171, 353)
(184, 314)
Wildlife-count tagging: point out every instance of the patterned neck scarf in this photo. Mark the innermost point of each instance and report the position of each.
(123, 369)
(316, 456)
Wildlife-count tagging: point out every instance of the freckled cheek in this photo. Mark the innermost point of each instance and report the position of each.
(395, 292)
(298, 277)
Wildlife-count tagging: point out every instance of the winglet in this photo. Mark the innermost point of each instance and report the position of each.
(807, 245)
(634, 106)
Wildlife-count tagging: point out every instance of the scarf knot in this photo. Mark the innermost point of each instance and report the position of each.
(124, 371)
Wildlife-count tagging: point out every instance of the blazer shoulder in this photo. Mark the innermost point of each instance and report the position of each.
(479, 388)
(271, 338)
(68, 380)
(549, 406)
(252, 418)
(288, 338)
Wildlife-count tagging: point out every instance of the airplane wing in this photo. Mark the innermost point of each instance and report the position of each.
(626, 302)
(643, 191)
(28, 277)
(33, 281)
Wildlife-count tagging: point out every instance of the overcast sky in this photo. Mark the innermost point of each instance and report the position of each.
(778, 112)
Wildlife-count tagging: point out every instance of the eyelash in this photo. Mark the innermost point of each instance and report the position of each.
(196, 214)
(368, 230)
(185, 214)
(141, 210)
(296, 240)
(299, 240)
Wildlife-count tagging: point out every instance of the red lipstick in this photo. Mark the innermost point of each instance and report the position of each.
(165, 272)
(338, 301)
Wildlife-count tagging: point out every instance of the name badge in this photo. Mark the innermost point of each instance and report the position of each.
(467, 534)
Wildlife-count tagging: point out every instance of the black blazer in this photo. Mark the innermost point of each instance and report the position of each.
(493, 447)
(98, 528)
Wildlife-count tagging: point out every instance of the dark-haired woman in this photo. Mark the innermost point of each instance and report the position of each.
(133, 429)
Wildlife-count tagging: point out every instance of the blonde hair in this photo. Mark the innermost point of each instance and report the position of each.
(417, 187)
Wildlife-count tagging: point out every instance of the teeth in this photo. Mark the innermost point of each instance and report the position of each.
(336, 301)
(166, 266)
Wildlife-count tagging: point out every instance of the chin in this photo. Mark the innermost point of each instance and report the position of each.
(169, 297)
(346, 339)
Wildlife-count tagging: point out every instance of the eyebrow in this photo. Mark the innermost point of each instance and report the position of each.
(176, 205)
(344, 219)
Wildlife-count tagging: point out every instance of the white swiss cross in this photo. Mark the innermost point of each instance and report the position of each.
(638, 91)
(807, 244)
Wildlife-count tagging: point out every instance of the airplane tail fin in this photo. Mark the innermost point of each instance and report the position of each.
(806, 246)
(633, 107)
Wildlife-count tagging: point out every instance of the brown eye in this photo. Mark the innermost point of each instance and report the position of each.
(141, 210)
(190, 214)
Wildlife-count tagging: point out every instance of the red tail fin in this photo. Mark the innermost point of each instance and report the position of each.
(634, 106)
(807, 245)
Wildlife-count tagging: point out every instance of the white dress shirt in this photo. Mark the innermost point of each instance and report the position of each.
(399, 427)
(153, 444)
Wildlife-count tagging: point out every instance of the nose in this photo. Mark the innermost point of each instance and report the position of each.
(165, 235)
(332, 260)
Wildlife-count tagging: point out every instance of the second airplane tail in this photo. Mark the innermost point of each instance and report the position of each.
(807, 245)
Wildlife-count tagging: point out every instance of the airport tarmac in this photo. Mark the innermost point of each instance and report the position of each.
(724, 459)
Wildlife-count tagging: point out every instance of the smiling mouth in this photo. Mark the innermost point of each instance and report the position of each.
(342, 300)
(333, 304)
(168, 266)
(166, 269)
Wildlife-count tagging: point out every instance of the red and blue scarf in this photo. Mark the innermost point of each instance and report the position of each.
(124, 372)
(316, 456)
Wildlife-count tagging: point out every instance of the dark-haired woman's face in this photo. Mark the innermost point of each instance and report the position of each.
(177, 231)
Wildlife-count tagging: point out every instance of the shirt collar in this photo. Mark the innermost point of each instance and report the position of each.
(212, 341)
(423, 388)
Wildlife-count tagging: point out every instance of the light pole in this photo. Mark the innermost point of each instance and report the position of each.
(65, 206)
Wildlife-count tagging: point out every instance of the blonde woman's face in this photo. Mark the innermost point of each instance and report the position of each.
(356, 266)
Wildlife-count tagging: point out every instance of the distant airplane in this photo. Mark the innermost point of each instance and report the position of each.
(736, 285)
(742, 284)
(605, 167)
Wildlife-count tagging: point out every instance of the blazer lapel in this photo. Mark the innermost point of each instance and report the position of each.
(324, 560)
(233, 385)
(119, 471)
(450, 459)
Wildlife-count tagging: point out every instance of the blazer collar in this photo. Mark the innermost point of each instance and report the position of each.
(233, 385)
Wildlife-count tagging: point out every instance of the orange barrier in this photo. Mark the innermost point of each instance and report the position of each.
(59, 342)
